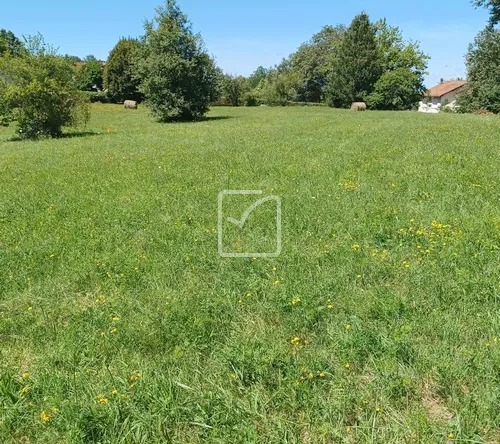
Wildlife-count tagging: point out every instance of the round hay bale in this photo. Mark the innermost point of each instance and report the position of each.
(358, 106)
(130, 104)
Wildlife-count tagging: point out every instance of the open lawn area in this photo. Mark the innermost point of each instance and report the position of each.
(378, 323)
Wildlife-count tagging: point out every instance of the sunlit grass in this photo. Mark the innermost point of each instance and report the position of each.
(379, 322)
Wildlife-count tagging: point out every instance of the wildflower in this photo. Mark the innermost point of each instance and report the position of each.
(25, 390)
(113, 330)
(114, 392)
(311, 375)
(30, 308)
(347, 366)
(296, 301)
(378, 409)
(233, 375)
(451, 435)
(274, 268)
(356, 247)
(52, 255)
(276, 282)
(116, 319)
(348, 430)
(188, 258)
(25, 375)
(321, 375)
(240, 301)
(348, 327)
(134, 377)
(101, 399)
(295, 340)
(44, 416)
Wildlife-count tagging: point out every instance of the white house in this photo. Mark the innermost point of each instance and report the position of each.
(444, 94)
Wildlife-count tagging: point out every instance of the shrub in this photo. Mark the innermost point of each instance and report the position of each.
(250, 99)
(178, 78)
(39, 92)
(96, 96)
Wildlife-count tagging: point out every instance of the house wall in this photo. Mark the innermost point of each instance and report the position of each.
(450, 97)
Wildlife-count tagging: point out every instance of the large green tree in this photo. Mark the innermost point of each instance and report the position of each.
(403, 64)
(313, 61)
(178, 77)
(90, 74)
(357, 67)
(119, 73)
(10, 43)
(483, 73)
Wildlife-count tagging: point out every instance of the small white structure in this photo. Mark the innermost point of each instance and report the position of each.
(444, 94)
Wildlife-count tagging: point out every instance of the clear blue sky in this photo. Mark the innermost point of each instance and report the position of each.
(244, 35)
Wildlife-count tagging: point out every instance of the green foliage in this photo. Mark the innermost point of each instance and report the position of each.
(38, 91)
(72, 58)
(233, 89)
(257, 76)
(9, 43)
(120, 78)
(313, 61)
(178, 78)
(89, 75)
(280, 86)
(483, 78)
(494, 8)
(357, 67)
(404, 65)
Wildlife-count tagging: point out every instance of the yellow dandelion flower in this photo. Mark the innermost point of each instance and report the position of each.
(44, 416)
(135, 377)
(321, 375)
(348, 430)
(25, 390)
(451, 435)
(25, 375)
(348, 327)
(296, 301)
(116, 319)
(276, 282)
(347, 366)
(356, 247)
(30, 308)
(233, 375)
(114, 392)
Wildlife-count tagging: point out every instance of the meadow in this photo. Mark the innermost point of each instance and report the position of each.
(378, 323)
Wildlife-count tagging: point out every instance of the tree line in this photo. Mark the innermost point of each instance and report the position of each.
(169, 68)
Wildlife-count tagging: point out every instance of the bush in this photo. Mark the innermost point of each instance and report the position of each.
(96, 96)
(250, 99)
(38, 91)
(178, 78)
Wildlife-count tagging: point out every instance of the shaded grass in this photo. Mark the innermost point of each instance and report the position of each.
(378, 322)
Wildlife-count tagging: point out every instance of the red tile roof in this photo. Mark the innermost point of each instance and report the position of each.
(445, 87)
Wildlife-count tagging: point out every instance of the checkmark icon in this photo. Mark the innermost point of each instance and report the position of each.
(241, 222)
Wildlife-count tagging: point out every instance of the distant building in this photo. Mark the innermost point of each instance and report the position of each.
(444, 94)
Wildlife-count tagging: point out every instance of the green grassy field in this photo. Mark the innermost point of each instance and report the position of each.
(378, 323)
